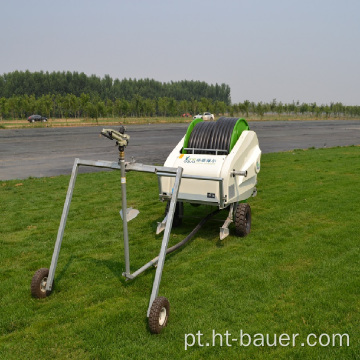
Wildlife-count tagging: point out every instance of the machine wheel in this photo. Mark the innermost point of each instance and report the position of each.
(38, 284)
(159, 314)
(179, 212)
(194, 204)
(242, 219)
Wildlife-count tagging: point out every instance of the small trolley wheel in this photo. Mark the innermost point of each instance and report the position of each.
(242, 219)
(38, 284)
(179, 212)
(159, 314)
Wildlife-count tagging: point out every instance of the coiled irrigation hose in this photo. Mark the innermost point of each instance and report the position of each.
(212, 136)
(193, 232)
(188, 238)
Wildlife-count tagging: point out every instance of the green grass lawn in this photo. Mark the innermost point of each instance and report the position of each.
(298, 272)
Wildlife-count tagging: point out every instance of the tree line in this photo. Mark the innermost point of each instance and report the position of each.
(87, 106)
(296, 109)
(20, 83)
(76, 95)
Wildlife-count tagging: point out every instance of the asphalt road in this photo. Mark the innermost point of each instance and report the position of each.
(51, 151)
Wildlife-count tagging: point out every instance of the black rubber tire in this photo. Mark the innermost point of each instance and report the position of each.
(195, 204)
(179, 211)
(38, 284)
(242, 219)
(159, 314)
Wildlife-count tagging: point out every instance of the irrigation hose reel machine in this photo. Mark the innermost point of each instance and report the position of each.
(216, 163)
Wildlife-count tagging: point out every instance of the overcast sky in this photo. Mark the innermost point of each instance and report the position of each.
(285, 49)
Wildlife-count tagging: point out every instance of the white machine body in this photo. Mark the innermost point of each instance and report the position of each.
(213, 177)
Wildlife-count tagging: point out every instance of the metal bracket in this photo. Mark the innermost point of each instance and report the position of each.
(130, 213)
(224, 230)
(161, 225)
(239, 173)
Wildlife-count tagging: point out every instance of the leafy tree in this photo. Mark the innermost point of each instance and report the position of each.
(172, 107)
(46, 105)
(194, 106)
(279, 108)
(109, 108)
(137, 105)
(183, 106)
(149, 107)
(246, 105)
(100, 109)
(260, 109)
(3, 107)
(304, 108)
(273, 106)
(84, 101)
(163, 104)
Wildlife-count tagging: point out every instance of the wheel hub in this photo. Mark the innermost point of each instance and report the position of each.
(162, 316)
(248, 224)
(43, 284)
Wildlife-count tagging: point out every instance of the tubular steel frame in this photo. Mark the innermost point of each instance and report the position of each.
(124, 167)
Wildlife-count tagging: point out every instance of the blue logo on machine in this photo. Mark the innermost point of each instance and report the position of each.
(195, 160)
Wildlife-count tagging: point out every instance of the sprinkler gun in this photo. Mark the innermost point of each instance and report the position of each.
(121, 138)
(127, 214)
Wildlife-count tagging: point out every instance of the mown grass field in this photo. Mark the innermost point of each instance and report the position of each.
(298, 272)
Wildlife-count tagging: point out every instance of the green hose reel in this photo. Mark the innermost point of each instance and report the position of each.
(240, 125)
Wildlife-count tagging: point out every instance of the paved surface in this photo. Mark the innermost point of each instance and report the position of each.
(51, 151)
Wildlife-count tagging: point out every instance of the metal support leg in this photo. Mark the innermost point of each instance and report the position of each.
(224, 230)
(124, 212)
(60, 234)
(165, 241)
